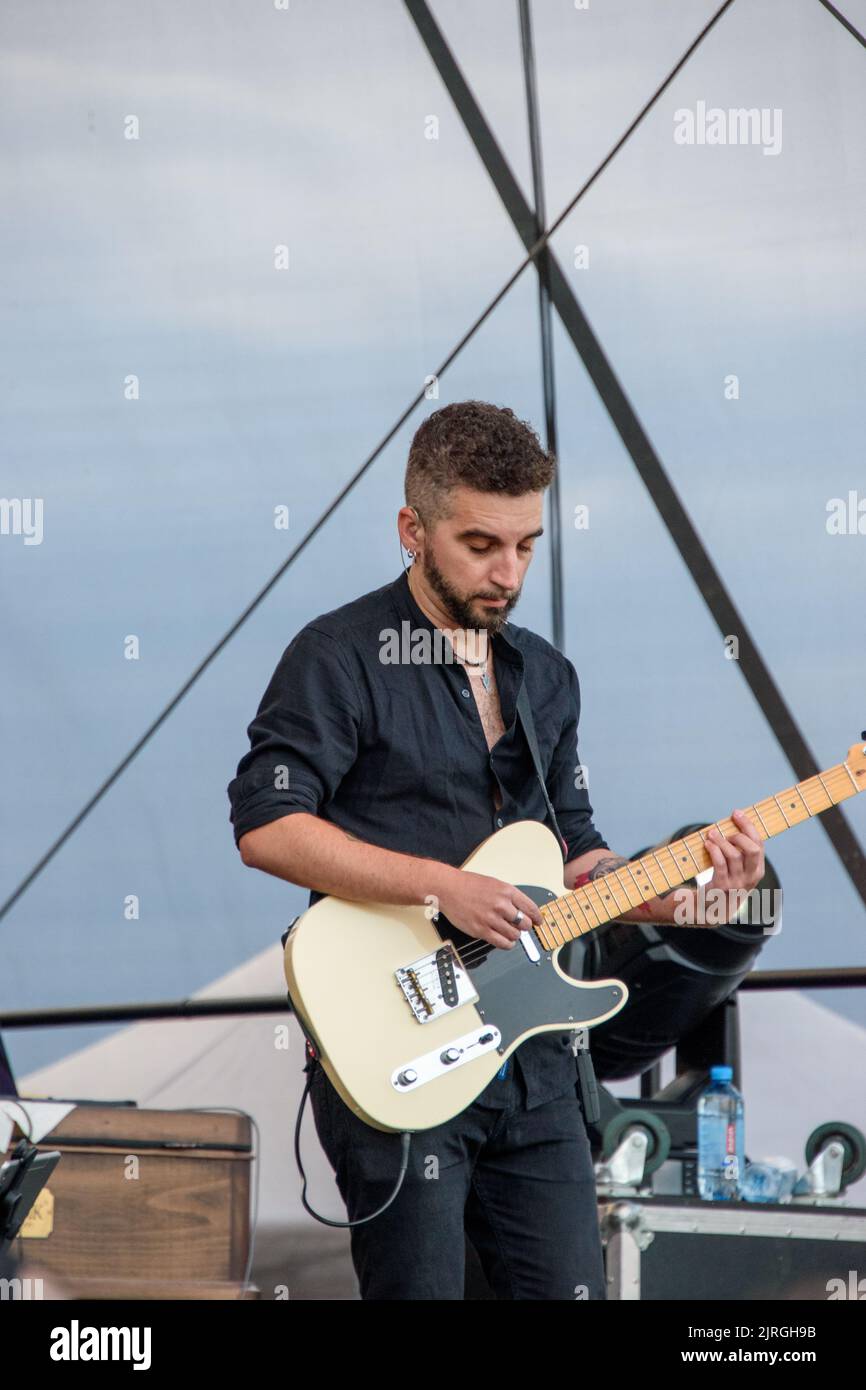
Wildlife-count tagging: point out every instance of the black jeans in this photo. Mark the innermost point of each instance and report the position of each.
(519, 1182)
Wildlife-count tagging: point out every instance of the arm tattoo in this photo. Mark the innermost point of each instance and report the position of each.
(607, 866)
(616, 861)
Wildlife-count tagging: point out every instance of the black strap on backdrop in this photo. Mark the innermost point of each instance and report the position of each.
(693, 552)
(670, 509)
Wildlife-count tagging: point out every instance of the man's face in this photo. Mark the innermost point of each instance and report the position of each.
(476, 558)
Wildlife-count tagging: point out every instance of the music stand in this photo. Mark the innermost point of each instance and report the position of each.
(22, 1178)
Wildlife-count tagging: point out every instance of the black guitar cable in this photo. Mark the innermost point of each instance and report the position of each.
(405, 1138)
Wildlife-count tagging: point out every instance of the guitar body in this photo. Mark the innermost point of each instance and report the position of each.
(410, 1028)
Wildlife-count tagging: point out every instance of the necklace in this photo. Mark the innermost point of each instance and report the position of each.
(485, 677)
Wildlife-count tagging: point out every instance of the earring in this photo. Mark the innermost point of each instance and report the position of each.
(411, 554)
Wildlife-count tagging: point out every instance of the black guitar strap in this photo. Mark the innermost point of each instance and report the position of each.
(587, 1084)
(524, 710)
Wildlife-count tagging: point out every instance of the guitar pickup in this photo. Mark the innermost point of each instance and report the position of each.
(447, 977)
(436, 983)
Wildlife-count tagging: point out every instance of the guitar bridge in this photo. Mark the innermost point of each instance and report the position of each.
(435, 984)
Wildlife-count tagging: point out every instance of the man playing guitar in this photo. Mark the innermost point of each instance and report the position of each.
(372, 780)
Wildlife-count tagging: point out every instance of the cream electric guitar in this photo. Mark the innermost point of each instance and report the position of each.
(412, 1018)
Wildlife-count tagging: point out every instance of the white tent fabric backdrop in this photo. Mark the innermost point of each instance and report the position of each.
(802, 1065)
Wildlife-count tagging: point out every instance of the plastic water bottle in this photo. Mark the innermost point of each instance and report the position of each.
(721, 1161)
(770, 1180)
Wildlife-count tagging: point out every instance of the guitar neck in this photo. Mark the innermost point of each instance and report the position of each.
(605, 898)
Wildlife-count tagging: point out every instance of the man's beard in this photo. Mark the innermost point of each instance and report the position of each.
(459, 609)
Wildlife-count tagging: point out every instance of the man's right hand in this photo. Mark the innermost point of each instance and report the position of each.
(485, 907)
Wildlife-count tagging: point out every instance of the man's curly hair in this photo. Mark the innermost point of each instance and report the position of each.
(479, 445)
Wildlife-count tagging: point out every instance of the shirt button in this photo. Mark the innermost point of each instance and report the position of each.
(465, 694)
(499, 821)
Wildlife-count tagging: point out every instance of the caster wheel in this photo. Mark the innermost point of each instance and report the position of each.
(852, 1140)
(659, 1136)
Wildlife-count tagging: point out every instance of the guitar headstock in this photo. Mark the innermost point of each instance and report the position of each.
(856, 758)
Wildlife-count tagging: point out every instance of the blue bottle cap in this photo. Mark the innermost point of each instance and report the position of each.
(721, 1073)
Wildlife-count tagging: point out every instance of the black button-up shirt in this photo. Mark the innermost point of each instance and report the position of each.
(391, 749)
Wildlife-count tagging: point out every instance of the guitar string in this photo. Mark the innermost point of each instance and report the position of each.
(481, 949)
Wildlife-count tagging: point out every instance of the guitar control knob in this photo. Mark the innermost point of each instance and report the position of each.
(451, 1054)
(486, 1038)
(407, 1077)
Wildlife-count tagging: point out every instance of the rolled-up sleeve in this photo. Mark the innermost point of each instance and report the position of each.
(565, 782)
(304, 737)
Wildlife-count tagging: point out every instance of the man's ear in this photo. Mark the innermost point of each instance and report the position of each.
(418, 520)
(417, 517)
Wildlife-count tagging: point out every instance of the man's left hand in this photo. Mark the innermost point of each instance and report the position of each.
(738, 860)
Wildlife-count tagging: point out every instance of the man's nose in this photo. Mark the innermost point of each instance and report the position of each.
(506, 574)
